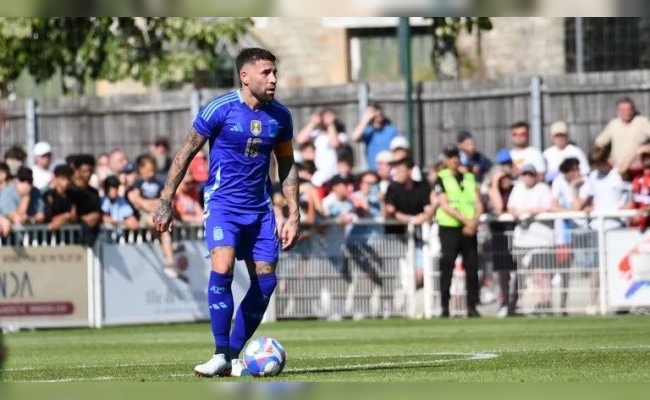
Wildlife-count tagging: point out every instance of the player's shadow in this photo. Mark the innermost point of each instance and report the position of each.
(370, 367)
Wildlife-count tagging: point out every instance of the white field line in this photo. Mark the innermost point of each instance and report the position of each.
(354, 367)
(462, 356)
(344, 356)
(320, 357)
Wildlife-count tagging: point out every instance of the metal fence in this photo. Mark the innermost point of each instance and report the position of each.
(334, 274)
(485, 107)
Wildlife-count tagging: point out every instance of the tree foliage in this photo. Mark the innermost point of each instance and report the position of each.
(147, 49)
(445, 31)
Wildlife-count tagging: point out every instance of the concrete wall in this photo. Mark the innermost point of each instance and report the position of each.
(309, 54)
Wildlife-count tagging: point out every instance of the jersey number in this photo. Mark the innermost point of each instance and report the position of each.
(252, 147)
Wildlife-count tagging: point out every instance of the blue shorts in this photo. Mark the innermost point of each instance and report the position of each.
(254, 236)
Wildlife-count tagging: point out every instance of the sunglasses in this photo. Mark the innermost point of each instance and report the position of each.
(527, 174)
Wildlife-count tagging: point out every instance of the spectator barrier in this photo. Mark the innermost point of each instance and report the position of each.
(46, 280)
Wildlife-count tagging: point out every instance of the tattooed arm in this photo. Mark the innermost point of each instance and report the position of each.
(162, 216)
(288, 174)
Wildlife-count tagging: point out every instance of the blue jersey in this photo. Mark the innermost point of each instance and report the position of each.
(241, 141)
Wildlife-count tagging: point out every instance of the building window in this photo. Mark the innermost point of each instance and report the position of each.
(608, 44)
(374, 54)
(224, 76)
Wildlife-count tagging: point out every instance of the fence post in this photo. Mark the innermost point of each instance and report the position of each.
(602, 266)
(363, 98)
(408, 273)
(421, 156)
(195, 103)
(536, 112)
(30, 129)
(427, 271)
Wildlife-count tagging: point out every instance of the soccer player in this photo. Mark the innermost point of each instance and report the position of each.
(243, 127)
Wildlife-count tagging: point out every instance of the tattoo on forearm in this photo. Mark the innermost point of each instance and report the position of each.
(288, 174)
(164, 210)
(192, 144)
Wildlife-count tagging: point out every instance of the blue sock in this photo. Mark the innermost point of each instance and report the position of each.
(221, 307)
(251, 311)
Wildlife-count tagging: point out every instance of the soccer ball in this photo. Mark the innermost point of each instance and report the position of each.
(264, 356)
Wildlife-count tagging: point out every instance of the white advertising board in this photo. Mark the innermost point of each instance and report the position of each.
(628, 268)
(136, 290)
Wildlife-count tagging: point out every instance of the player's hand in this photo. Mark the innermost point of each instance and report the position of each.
(289, 234)
(162, 216)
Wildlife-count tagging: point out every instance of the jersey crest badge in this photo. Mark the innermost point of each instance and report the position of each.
(217, 234)
(273, 128)
(256, 127)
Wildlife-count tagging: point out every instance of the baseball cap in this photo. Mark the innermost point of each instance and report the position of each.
(463, 136)
(384, 156)
(399, 142)
(451, 151)
(503, 157)
(527, 168)
(558, 127)
(129, 168)
(42, 148)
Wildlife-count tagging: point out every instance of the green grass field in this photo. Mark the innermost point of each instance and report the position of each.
(518, 349)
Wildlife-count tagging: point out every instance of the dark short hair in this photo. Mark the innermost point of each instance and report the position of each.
(251, 55)
(83, 159)
(520, 124)
(16, 152)
(407, 161)
(4, 167)
(161, 141)
(111, 182)
(63, 170)
(338, 179)
(146, 158)
(626, 100)
(568, 164)
(368, 173)
(599, 155)
(25, 174)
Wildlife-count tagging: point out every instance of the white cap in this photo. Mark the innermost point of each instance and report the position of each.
(42, 148)
(384, 156)
(399, 142)
(558, 127)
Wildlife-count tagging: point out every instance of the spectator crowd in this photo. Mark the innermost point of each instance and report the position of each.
(521, 180)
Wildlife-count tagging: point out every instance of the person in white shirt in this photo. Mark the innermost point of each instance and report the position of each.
(401, 149)
(522, 153)
(604, 190)
(561, 150)
(530, 197)
(42, 163)
(565, 188)
(329, 137)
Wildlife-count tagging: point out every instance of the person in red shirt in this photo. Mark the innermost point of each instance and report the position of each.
(199, 169)
(641, 194)
(187, 207)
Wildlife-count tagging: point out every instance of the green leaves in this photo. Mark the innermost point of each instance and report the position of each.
(445, 31)
(159, 50)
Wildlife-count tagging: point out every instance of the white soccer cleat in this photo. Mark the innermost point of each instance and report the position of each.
(217, 365)
(239, 368)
